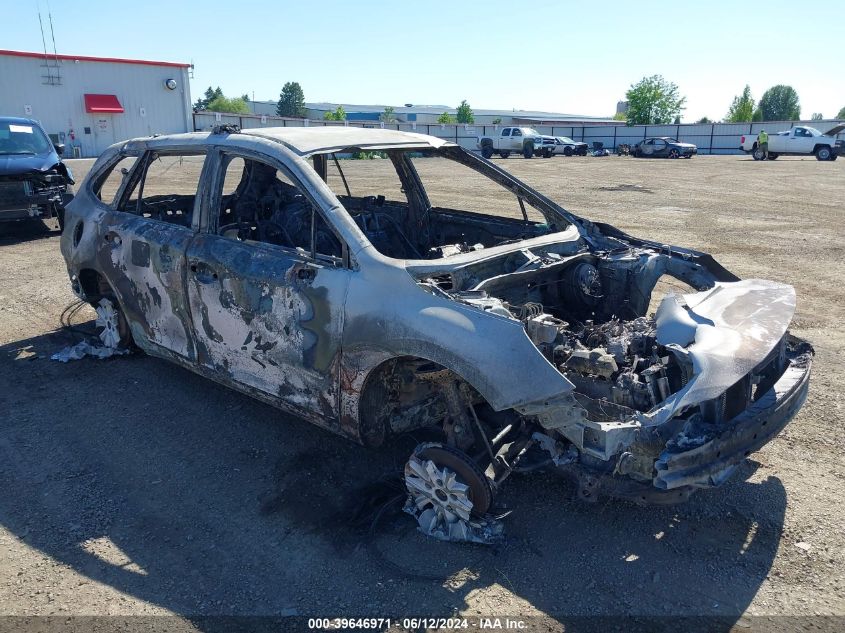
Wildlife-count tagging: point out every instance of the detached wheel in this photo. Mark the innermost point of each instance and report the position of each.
(446, 485)
(823, 153)
(487, 151)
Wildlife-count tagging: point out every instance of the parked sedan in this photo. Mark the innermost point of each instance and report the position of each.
(663, 147)
(566, 146)
(509, 332)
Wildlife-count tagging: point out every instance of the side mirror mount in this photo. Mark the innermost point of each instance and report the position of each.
(60, 148)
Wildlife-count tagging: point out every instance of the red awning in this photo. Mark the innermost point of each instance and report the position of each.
(102, 103)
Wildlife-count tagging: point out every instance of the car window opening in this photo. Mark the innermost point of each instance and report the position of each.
(259, 203)
(407, 210)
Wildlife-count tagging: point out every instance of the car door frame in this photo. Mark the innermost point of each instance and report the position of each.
(143, 259)
(310, 376)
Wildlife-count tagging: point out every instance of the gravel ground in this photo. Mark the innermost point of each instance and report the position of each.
(132, 487)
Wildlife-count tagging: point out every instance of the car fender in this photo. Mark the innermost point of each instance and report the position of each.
(389, 315)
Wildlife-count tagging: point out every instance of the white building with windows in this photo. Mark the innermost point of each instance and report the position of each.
(89, 103)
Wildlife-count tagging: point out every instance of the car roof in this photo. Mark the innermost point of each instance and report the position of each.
(312, 140)
(305, 141)
(18, 119)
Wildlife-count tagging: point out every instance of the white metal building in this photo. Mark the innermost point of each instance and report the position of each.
(89, 103)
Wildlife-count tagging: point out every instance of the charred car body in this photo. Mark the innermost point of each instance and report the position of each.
(34, 182)
(512, 339)
(663, 147)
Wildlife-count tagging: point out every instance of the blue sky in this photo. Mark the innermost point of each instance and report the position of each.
(572, 57)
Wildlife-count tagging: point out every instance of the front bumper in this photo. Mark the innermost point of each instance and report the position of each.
(677, 475)
(711, 464)
(22, 201)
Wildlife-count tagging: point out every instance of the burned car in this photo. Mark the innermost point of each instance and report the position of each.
(663, 147)
(34, 182)
(509, 333)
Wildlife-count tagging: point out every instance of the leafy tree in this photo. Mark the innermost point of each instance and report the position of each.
(235, 105)
(742, 107)
(464, 114)
(704, 119)
(757, 116)
(245, 98)
(291, 101)
(816, 116)
(620, 116)
(389, 115)
(653, 100)
(338, 115)
(780, 103)
(444, 118)
(210, 95)
(841, 114)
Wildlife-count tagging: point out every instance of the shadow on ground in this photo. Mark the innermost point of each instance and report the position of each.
(181, 493)
(27, 231)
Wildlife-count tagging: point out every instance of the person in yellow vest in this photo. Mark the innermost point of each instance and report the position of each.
(763, 143)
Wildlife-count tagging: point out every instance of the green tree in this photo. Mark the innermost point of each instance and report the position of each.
(841, 114)
(338, 115)
(210, 95)
(653, 100)
(291, 101)
(757, 116)
(816, 116)
(704, 119)
(620, 116)
(780, 103)
(236, 105)
(742, 107)
(444, 118)
(389, 115)
(464, 114)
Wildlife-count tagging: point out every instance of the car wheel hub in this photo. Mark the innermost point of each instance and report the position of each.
(108, 320)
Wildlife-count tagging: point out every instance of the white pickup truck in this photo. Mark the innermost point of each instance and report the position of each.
(524, 140)
(801, 140)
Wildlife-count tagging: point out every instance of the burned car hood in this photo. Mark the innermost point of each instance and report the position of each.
(724, 333)
(18, 164)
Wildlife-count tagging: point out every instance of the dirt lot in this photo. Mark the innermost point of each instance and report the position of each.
(130, 486)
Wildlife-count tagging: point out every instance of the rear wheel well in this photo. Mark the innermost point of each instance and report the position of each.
(93, 285)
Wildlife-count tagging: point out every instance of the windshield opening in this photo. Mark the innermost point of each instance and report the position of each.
(432, 204)
(23, 138)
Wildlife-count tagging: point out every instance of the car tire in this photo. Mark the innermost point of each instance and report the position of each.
(673, 153)
(757, 154)
(504, 154)
(547, 153)
(567, 151)
(823, 153)
(528, 149)
(487, 150)
(834, 156)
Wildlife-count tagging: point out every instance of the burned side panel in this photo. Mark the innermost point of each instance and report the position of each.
(144, 262)
(268, 320)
